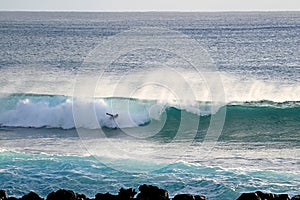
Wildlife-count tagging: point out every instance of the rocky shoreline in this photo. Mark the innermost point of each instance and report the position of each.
(146, 192)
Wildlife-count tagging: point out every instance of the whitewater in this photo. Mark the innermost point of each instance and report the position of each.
(207, 103)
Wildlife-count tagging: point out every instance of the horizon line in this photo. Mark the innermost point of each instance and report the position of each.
(145, 11)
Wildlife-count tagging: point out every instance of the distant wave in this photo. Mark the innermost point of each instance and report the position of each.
(55, 111)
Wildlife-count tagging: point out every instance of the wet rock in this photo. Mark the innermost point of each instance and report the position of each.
(188, 197)
(3, 195)
(31, 196)
(200, 197)
(184, 197)
(80, 197)
(126, 194)
(271, 196)
(62, 195)
(149, 192)
(12, 198)
(297, 197)
(249, 196)
(283, 197)
(51, 196)
(106, 196)
(258, 195)
(265, 195)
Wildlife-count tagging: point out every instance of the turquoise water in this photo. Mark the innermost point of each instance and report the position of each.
(22, 172)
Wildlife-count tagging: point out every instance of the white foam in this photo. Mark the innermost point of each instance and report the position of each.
(40, 114)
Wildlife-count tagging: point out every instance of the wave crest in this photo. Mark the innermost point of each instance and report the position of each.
(55, 111)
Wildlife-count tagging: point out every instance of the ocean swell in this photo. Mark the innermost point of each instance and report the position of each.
(55, 111)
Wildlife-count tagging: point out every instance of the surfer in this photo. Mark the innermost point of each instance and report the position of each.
(112, 116)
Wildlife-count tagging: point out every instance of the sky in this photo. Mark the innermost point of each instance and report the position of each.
(150, 5)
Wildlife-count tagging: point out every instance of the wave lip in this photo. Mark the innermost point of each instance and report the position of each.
(267, 103)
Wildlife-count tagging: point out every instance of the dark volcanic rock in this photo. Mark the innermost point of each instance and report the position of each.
(31, 196)
(149, 192)
(51, 196)
(283, 197)
(249, 196)
(258, 195)
(80, 197)
(271, 196)
(3, 195)
(200, 197)
(106, 196)
(188, 197)
(126, 194)
(62, 195)
(184, 197)
(123, 195)
(265, 195)
(297, 197)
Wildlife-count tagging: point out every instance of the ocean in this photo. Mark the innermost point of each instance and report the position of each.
(207, 103)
